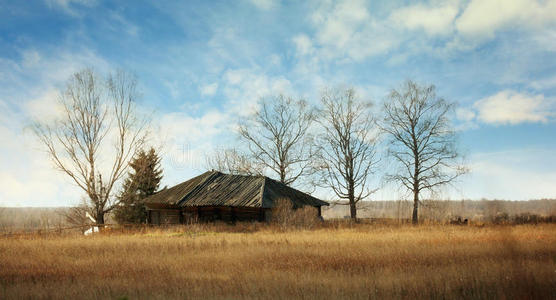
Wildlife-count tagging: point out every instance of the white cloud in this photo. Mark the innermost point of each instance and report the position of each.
(545, 39)
(466, 119)
(181, 126)
(46, 107)
(482, 18)
(209, 89)
(521, 174)
(340, 22)
(186, 139)
(119, 23)
(244, 87)
(30, 58)
(173, 87)
(228, 46)
(346, 31)
(353, 30)
(29, 90)
(510, 107)
(264, 4)
(465, 114)
(280, 85)
(303, 44)
(234, 77)
(37, 72)
(433, 20)
(275, 60)
(518, 174)
(64, 3)
(27, 172)
(22, 190)
(546, 83)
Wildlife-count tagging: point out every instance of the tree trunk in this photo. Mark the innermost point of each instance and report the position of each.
(415, 218)
(352, 209)
(352, 204)
(282, 174)
(100, 218)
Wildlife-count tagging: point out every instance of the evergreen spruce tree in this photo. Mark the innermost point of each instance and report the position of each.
(143, 180)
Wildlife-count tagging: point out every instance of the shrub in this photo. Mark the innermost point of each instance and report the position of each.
(285, 216)
(527, 218)
(501, 218)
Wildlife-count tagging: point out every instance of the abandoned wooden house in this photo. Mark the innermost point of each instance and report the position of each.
(215, 196)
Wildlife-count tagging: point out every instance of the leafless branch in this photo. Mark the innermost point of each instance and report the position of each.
(346, 149)
(95, 109)
(232, 161)
(278, 138)
(422, 140)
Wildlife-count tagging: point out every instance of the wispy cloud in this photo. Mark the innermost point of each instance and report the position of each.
(350, 29)
(244, 87)
(118, 23)
(30, 91)
(46, 107)
(522, 174)
(71, 7)
(545, 83)
(203, 65)
(346, 30)
(209, 89)
(264, 4)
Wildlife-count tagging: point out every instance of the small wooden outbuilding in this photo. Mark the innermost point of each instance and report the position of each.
(215, 196)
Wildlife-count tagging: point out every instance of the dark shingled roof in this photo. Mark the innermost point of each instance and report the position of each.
(217, 189)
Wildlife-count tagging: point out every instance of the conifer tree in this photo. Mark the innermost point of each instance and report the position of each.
(143, 180)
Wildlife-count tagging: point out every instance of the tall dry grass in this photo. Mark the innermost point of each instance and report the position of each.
(342, 260)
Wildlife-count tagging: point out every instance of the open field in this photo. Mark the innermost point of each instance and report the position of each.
(341, 260)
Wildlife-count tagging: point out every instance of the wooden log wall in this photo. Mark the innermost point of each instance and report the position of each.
(222, 213)
(163, 216)
(194, 214)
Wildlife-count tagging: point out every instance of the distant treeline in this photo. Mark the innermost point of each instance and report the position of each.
(447, 210)
(33, 218)
(500, 211)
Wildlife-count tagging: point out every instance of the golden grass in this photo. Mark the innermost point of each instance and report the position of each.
(356, 261)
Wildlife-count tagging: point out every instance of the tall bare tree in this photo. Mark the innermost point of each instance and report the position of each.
(97, 113)
(422, 140)
(278, 139)
(347, 146)
(232, 161)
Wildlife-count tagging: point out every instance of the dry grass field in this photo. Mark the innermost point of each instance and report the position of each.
(356, 261)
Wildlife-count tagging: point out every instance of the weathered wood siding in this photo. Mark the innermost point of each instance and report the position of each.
(222, 213)
(194, 214)
(164, 216)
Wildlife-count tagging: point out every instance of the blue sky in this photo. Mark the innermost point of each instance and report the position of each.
(202, 65)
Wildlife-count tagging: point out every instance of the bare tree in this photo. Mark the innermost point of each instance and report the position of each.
(76, 215)
(422, 140)
(347, 154)
(232, 161)
(96, 112)
(278, 138)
